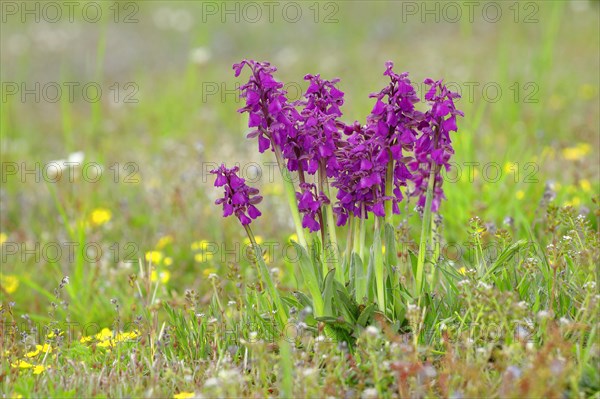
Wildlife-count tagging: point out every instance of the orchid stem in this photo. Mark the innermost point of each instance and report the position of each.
(389, 181)
(291, 196)
(378, 264)
(332, 246)
(361, 244)
(425, 232)
(266, 277)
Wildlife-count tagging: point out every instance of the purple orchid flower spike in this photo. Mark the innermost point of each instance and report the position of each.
(393, 125)
(434, 147)
(313, 143)
(239, 199)
(269, 112)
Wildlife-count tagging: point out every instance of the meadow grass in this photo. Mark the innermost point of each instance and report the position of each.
(175, 304)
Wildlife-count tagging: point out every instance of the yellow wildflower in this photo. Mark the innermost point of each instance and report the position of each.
(293, 237)
(208, 271)
(200, 245)
(40, 368)
(39, 349)
(259, 240)
(184, 395)
(125, 336)
(511, 167)
(107, 338)
(576, 153)
(164, 276)
(3, 238)
(587, 91)
(168, 261)
(22, 364)
(100, 216)
(9, 283)
(104, 334)
(575, 201)
(154, 257)
(556, 102)
(463, 271)
(267, 257)
(520, 194)
(203, 257)
(548, 152)
(164, 241)
(52, 335)
(120, 337)
(585, 185)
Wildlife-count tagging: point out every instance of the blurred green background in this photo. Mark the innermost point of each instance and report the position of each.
(166, 114)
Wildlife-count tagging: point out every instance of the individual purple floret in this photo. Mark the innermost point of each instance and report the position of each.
(433, 148)
(310, 204)
(269, 112)
(239, 199)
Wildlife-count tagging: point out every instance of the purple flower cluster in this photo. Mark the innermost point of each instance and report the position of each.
(270, 114)
(394, 124)
(368, 164)
(433, 148)
(320, 126)
(309, 204)
(360, 179)
(391, 129)
(239, 199)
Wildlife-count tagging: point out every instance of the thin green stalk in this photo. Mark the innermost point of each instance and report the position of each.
(350, 239)
(425, 233)
(361, 242)
(291, 196)
(266, 277)
(378, 264)
(389, 182)
(332, 245)
(436, 250)
(356, 236)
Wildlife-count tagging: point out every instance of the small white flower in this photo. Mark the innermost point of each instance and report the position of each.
(309, 372)
(543, 314)
(211, 382)
(530, 346)
(369, 393)
(200, 55)
(372, 330)
(429, 371)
